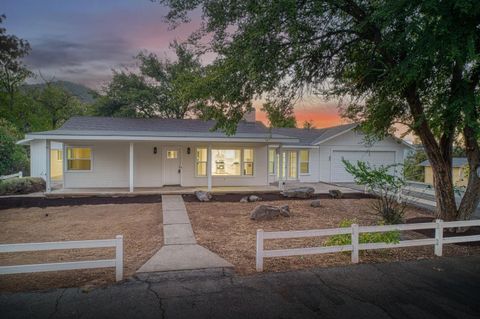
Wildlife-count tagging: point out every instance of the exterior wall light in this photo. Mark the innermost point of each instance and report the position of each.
(188, 150)
(155, 150)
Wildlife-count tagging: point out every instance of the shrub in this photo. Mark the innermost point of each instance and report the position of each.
(391, 237)
(388, 187)
(24, 185)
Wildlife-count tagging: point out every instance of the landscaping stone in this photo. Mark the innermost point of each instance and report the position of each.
(315, 203)
(266, 212)
(300, 192)
(244, 199)
(254, 198)
(203, 196)
(335, 193)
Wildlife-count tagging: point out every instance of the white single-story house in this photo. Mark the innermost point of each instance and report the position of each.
(107, 152)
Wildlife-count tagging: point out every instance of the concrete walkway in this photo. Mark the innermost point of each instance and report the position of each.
(435, 288)
(180, 250)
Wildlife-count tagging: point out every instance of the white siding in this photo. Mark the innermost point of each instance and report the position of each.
(38, 159)
(110, 166)
(353, 141)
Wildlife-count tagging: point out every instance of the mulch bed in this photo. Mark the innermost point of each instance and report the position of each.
(471, 231)
(17, 202)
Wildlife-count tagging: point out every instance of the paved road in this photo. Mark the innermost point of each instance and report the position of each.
(439, 288)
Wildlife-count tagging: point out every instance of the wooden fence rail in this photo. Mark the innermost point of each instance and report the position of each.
(19, 174)
(355, 231)
(87, 264)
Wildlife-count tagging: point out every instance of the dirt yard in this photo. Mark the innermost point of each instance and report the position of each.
(227, 230)
(140, 225)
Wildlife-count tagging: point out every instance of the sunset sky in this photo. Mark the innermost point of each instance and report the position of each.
(81, 41)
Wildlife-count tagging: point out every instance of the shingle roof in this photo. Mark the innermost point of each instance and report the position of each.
(456, 162)
(313, 136)
(116, 126)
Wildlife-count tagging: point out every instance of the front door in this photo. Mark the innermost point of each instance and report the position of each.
(172, 166)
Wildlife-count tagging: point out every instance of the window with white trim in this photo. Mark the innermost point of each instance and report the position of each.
(248, 161)
(79, 158)
(271, 161)
(201, 162)
(304, 162)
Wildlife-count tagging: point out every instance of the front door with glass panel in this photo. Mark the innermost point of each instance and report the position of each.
(289, 169)
(172, 166)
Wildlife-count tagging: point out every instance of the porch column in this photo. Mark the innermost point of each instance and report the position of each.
(48, 182)
(130, 179)
(209, 167)
(280, 168)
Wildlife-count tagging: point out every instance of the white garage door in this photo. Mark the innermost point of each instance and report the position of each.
(377, 158)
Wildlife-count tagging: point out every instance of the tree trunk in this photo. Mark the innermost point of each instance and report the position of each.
(471, 199)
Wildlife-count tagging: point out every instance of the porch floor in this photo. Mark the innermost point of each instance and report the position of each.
(166, 190)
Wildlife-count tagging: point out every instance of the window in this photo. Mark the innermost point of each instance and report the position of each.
(304, 162)
(248, 162)
(201, 162)
(79, 158)
(59, 155)
(271, 161)
(292, 165)
(226, 162)
(172, 154)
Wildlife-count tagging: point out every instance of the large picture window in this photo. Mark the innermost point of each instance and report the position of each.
(304, 162)
(225, 162)
(79, 158)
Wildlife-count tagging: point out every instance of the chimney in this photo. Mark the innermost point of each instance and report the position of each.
(250, 116)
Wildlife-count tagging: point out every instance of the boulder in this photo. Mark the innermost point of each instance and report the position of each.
(299, 192)
(315, 203)
(335, 193)
(203, 196)
(266, 212)
(244, 199)
(254, 198)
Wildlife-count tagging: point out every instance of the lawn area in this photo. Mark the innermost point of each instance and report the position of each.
(140, 225)
(226, 229)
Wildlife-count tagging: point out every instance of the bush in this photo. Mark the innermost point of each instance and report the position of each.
(24, 185)
(13, 157)
(391, 237)
(380, 182)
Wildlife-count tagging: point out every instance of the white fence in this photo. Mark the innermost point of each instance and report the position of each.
(19, 174)
(355, 246)
(87, 264)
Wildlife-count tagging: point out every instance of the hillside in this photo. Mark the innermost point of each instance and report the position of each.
(82, 92)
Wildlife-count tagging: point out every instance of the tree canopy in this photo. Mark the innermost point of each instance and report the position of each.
(415, 62)
(161, 88)
(280, 113)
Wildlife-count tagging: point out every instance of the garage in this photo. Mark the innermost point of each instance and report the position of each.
(373, 158)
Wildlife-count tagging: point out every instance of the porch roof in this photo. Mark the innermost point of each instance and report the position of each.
(108, 128)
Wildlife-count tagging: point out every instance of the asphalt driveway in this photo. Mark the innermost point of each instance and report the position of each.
(436, 288)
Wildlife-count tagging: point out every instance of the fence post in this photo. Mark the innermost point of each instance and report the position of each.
(439, 237)
(119, 258)
(259, 260)
(355, 243)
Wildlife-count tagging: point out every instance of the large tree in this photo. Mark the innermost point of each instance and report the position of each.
(160, 88)
(12, 70)
(415, 62)
(280, 113)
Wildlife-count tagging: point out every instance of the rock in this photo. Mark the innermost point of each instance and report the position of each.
(244, 199)
(203, 196)
(299, 192)
(266, 212)
(315, 203)
(335, 193)
(254, 198)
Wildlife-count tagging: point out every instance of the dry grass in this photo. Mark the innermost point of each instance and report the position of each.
(226, 229)
(140, 225)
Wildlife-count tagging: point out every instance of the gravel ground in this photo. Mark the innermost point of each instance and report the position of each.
(140, 225)
(227, 230)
